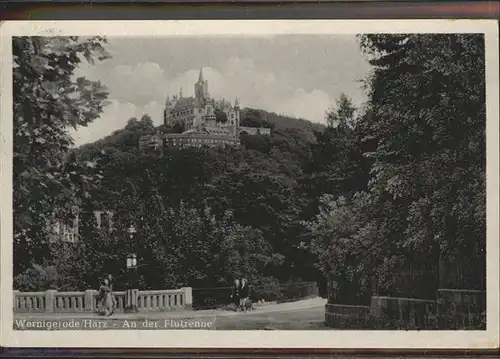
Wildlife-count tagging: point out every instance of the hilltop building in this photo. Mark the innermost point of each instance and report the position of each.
(205, 121)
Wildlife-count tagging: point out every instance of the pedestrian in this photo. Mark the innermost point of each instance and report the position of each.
(244, 294)
(113, 298)
(235, 294)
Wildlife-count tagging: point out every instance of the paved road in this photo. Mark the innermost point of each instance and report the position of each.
(304, 314)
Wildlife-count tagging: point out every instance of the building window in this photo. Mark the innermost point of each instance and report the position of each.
(105, 220)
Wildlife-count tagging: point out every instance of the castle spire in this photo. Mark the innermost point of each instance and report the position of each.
(200, 77)
(236, 103)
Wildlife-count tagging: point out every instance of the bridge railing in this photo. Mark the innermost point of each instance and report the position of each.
(29, 301)
(52, 301)
(158, 300)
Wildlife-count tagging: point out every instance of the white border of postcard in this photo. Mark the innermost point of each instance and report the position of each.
(252, 339)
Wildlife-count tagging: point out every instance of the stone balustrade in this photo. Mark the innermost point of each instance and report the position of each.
(158, 300)
(52, 301)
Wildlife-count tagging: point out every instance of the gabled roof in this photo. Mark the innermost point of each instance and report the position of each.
(218, 131)
(207, 130)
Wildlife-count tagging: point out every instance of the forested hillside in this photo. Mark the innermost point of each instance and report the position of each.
(256, 188)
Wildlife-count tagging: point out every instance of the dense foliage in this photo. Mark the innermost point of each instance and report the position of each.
(209, 214)
(48, 100)
(422, 207)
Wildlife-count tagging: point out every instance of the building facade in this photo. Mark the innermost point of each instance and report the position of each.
(205, 121)
(68, 231)
(203, 136)
(202, 109)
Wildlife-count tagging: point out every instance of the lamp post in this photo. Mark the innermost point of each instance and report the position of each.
(132, 292)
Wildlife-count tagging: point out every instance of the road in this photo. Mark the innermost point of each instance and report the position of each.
(300, 315)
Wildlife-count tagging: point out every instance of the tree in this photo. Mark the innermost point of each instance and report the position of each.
(337, 164)
(132, 123)
(423, 137)
(201, 192)
(246, 253)
(428, 94)
(343, 115)
(48, 100)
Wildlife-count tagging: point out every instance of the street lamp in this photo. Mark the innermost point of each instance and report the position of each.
(132, 293)
(131, 231)
(131, 261)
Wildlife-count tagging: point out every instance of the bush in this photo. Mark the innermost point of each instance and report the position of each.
(267, 288)
(36, 279)
(211, 298)
(270, 290)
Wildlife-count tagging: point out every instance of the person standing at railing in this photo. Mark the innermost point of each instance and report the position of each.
(113, 298)
(235, 294)
(105, 298)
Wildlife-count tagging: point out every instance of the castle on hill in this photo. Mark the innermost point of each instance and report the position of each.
(204, 121)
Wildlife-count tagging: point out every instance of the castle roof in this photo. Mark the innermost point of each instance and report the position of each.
(184, 103)
(208, 130)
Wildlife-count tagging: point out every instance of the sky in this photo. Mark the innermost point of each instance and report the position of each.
(295, 75)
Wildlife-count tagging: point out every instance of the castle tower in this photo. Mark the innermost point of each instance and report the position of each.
(237, 110)
(201, 89)
(180, 93)
(166, 112)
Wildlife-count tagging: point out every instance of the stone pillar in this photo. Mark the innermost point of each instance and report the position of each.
(14, 300)
(89, 300)
(188, 297)
(50, 300)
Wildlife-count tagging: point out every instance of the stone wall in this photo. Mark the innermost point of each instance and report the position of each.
(461, 309)
(347, 316)
(453, 309)
(402, 313)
